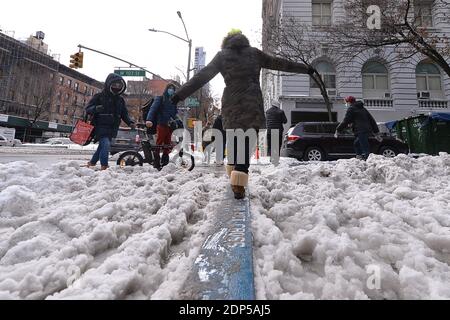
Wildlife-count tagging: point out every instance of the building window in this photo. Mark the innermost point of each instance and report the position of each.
(61, 80)
(69, 83)
(76, 86)
(321, 13)
(52, 76)
(428, 77)
(67, 97)
(58, 109)
(328, 74)
(423, 14)
(375, 78)
(85, 89)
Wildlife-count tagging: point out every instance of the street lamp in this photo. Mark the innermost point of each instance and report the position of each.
(187, 40)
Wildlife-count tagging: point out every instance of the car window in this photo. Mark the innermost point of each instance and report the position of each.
(329, 128)
(311, 128)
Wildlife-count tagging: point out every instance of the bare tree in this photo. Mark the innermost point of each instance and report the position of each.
(298, 42)
(141, 94)
(403, 26)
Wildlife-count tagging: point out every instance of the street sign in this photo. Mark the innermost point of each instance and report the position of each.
(130, 73)
(192, 102)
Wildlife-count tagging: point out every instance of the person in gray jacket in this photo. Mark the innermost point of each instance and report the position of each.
(242, 100)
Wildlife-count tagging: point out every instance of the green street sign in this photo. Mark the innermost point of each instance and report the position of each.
(192, 102)
(130, 73)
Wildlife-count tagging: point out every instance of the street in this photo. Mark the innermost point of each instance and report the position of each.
(44, 157)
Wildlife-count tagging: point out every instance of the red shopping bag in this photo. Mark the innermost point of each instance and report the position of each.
(82, 134)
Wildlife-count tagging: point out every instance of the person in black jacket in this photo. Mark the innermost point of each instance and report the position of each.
(363, 125)
(108, 110)
(275, 119)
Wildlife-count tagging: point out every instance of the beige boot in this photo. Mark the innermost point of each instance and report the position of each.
(229, 170)
(239, 180)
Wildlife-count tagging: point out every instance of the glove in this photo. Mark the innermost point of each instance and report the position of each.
(99, 108)
(175, 99)
(149, 124)
(336, 134)
(378, 137)
(311, 71)
(133, 126)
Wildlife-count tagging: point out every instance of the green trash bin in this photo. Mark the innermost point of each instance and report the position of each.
(428, 134)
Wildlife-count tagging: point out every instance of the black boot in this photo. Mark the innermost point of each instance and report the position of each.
(164, 160)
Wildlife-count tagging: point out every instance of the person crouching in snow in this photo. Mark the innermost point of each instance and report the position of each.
(242, 101)
(108, 109)
(161, 113)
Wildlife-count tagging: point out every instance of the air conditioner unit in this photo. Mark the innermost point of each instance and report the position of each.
(387, 95)
(331, 93)
(423, 95)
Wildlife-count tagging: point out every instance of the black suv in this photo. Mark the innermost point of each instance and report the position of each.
(127, 139)
(315, 141)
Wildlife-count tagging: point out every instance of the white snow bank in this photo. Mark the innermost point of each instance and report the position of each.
(73, 233)
(327, 230)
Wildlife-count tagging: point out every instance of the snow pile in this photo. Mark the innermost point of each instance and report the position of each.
(74, 233)
(353, 230)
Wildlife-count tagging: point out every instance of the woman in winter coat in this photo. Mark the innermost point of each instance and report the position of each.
(108, 110)
(161, 113)
(242, 101)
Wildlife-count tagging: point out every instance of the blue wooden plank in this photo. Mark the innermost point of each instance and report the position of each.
(224, 267)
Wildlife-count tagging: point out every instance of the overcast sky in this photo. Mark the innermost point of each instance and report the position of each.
(121, 29)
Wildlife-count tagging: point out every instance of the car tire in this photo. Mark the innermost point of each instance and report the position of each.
(314, 154)
(388, 151)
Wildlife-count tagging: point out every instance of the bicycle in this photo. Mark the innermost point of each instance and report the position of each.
(134, 158)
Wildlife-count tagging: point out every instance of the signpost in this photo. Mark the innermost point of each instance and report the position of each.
(130, 73)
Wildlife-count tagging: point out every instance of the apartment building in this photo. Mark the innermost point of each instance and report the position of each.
(390, 89)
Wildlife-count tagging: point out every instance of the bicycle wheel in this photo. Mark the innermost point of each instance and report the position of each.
(130, 158)
(184, 160)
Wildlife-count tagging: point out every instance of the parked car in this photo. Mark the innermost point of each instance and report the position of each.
(315, 141)
(5, 142)
(127, 139)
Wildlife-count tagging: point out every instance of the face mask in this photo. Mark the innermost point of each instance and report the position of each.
(116, 88)
(171, 92)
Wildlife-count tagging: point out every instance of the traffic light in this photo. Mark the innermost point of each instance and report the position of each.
(76, 60)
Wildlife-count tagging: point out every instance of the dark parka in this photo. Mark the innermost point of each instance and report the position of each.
(275, 118)
(240, 66)
(162, 109)
(107, 122)
(361, 120)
